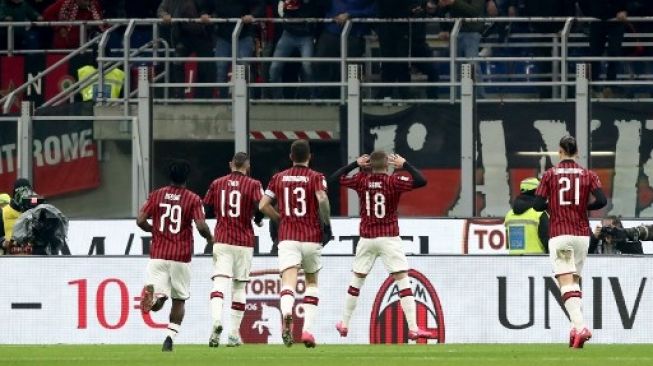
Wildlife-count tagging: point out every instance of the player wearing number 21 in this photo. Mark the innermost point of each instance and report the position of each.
(305, 225)
(234, 198)
(567, 188)
(172, 209)
(379, 194)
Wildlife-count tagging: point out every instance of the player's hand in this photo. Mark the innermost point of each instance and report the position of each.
(326, 234)
(210, 240)
(248, 19)
(363, 161)
(397, 161)
(341, 19)
(622, 16)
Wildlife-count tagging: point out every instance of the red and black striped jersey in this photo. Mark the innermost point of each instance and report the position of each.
(378, 196)
(234, 199)
(295, 189)
(173, 210)
(567, 187)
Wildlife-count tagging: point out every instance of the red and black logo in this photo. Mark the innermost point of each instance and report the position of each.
(388, 323)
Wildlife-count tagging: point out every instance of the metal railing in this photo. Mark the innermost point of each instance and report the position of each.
(560, 59)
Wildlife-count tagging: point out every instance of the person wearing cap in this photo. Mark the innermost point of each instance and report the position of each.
(11, 212)
(527, 230)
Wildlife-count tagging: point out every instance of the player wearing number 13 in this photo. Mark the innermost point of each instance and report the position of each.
(305, 225)
(379, 195)
(172, 209)
(567, 188)
(234, 198)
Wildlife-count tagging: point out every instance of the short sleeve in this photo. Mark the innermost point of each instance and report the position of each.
(257, 193)
(318, 183)
(210, 195)
(595, 183)
(148, 206)
(543, 187)
(402, 183)
(197, 209)
(272, 189)
(350, 181)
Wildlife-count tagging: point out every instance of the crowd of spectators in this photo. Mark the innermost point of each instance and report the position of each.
(302, 40)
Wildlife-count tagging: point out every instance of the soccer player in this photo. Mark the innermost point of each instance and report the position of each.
(234, 198)
(305, 225)
(567, 188)
(172, 209)
(379, 194)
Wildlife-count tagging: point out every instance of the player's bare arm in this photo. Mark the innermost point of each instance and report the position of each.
(204, 230)
(324, 207)
(599, 200)
(400, 162)
(142, 222)
(266, 207)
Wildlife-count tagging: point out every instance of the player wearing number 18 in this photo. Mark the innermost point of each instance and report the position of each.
(172, 209)
(305, 225)
(234, 198)
(379, 195)
(567, 188)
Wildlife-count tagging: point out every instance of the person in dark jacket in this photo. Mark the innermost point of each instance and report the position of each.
(247, 11)
(527, 230)
(188, 38)
(328, 45)
(296, 37)
(610, 32)
(611, 238)
(19, 11)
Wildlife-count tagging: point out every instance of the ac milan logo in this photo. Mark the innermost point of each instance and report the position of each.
(262, 318)
(387, 321)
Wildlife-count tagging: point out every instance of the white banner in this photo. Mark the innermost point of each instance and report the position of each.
(421, 236)
(462, 299)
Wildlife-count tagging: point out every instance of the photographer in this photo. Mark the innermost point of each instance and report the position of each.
(10, 213)
(611, 238)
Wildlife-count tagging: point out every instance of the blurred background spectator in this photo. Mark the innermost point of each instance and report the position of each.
(296, 38)
(328, 45)
(188, 39)
(247, 11)
(404, 40)
(115, 9)
(67, 37)
(11, 212)
(607, 240)
(19, 11)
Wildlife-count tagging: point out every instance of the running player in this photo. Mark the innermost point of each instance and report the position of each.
(234, 198)
(172, 209)
(567, 188)
(305, 225)
(379, 194)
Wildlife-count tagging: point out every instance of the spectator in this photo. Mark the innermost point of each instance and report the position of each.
(469, 38)
(328, 45)
(248, 11)
(527, 230)
(11, 212)
(538, 8)
(19, 11)
(296, 37)
(115, 9)
(607, 240)
(189, 38)
(403, 40)
(4, 200)
(604, 31)
(68, 36)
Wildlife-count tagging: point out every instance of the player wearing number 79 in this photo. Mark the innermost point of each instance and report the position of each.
(234, 198)
(567, 188)
(305, 226)
(379, 195)
(172, 209)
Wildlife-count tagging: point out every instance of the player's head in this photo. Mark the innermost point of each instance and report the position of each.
(528, 185)
(300, 152)
(240, 163)
(568, 147)
(178, 171)
(379, 161)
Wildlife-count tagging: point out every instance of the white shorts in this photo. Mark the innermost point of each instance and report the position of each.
(300, 254)
(390, 249)
(568, 253)
(169, 278)
(232, 261)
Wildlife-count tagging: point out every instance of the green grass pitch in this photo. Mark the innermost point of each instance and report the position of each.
(379, 355)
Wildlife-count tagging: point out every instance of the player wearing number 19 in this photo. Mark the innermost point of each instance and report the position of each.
(567, 188)
(234, 198)
(379, 195)
(172, 209)
(305, 225)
